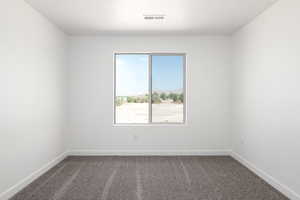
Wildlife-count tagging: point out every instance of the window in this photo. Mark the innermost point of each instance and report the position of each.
(149, 88)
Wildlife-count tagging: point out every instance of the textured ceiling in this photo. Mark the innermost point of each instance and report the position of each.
(85, 17)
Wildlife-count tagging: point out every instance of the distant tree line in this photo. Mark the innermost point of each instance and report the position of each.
(156, 98)
(131, 99)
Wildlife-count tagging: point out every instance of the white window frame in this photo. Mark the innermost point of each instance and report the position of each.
(150, 123)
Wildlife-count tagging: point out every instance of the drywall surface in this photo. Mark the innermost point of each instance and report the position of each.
(91, 95)
(266, 93)
(32, 70)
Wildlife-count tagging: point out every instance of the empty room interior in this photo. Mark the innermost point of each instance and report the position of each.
(150, 100)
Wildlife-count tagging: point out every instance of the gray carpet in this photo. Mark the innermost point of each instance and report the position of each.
(149, 178)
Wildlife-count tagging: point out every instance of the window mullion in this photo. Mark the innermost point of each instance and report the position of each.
(150, 88)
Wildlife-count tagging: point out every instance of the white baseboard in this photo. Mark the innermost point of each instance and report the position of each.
(266, 177)
(29, 179)
(138, 152)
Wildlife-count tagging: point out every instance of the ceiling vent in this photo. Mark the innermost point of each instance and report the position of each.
(154, 17)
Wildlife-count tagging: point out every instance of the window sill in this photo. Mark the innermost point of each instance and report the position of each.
(152, 124)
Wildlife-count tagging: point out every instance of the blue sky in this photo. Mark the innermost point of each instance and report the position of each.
(132, 74)
(167, 73)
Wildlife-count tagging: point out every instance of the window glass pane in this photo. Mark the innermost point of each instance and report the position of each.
(131, 88)
(167, 89)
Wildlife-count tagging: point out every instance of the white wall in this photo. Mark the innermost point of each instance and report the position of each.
(91, 95)
(267, 94)
(32, 60)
